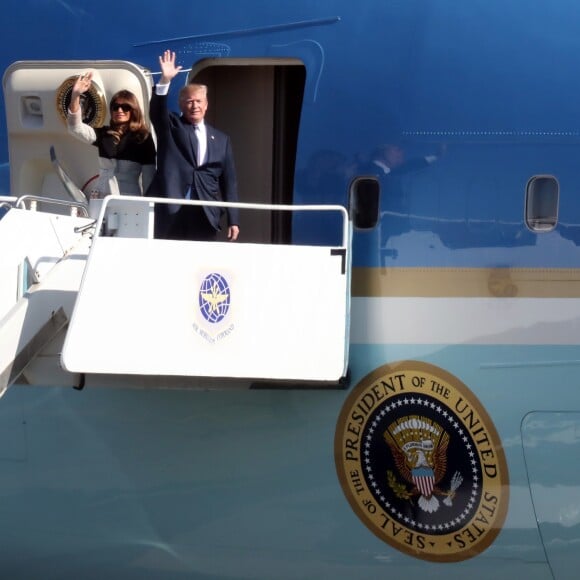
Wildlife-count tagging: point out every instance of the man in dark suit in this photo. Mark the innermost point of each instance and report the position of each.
(194, 161)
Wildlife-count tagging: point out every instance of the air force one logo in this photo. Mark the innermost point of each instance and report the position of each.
(214, 301)
(421, 464)
(214, 298)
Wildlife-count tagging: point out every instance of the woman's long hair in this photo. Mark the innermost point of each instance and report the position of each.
(136, 124)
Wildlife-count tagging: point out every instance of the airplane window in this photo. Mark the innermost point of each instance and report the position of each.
(364, 195)
(542, 195)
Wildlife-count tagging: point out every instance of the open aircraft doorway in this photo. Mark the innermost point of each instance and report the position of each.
(258, 102)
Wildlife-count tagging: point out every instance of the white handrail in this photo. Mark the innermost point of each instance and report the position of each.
(20, 203)
(111, 199)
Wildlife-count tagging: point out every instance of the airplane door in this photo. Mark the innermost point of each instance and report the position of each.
(258, 103)
(37, 94)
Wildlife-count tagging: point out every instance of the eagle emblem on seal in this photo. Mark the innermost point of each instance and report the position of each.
(419, 448)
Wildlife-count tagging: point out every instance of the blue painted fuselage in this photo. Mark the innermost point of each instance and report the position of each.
(243, 484)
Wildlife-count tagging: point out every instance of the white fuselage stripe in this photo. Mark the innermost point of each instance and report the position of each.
(465, 320)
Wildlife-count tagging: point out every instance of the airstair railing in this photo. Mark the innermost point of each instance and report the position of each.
(147, 201)
(75, 207)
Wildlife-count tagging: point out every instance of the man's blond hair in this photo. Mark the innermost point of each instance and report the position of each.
(192, 88)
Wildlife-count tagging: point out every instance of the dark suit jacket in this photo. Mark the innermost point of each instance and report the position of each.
(177, 168)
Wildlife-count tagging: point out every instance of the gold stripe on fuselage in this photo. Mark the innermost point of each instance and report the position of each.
(466, 282)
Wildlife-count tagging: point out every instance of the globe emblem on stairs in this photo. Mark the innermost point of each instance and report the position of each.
(214, 298)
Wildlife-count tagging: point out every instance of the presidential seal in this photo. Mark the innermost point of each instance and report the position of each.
(93, 102)
(421, 463)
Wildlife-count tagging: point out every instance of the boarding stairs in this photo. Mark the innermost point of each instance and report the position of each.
(98, 300)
